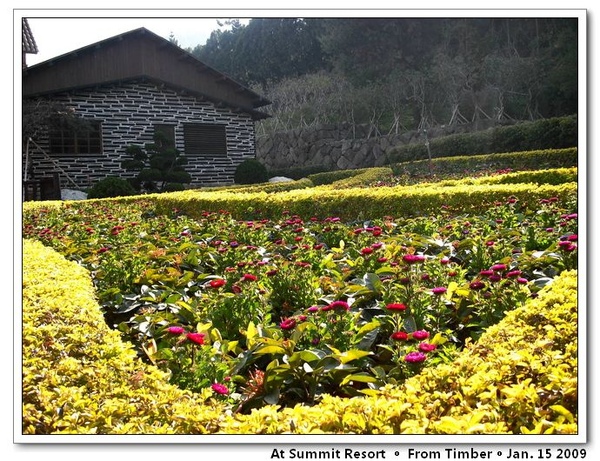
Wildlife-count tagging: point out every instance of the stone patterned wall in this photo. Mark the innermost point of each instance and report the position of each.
(343, 146)
(128, 113)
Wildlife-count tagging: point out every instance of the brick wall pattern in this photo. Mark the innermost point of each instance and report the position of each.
(128, 112)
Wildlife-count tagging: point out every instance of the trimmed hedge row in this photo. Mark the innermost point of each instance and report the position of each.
(359, 203)
(552, 133)
(80, 378)
(528, 160)
(554, 176)
(519, 378)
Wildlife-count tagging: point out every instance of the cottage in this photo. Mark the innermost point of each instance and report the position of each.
(129, 87)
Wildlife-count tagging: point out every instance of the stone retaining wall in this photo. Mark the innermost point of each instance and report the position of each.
(340, 147)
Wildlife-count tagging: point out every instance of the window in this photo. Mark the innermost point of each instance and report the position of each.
(205, 139)
(76, 138)
(165, 135)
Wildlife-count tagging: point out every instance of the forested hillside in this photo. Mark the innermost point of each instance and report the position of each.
(401, 73)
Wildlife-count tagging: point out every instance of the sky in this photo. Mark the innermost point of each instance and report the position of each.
(56, 36)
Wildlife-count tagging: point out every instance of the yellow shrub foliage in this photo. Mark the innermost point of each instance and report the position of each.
(520, 377)
(79, 377)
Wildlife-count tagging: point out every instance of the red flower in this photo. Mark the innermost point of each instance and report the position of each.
(217, 283)
(399, 336)
(366, 251)
(249, 278)
(197, 338)
(513, 273)
(396, 307)
(220, 389)
(439, 290)
(498, 267)
(174, 330)
(476, 285)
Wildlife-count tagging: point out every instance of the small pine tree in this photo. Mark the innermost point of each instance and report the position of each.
(159, 165)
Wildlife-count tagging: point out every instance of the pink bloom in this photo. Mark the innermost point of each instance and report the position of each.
(445, 260)
(399, 336)
(415, 357)
(287, 324)
(498, 267)
(522, 280)
(412, 259)
(439, 290)
(174, 330)
(396, 307)
(513, 273)
(427, 347)
(572, 238)
(197, 338)
(420, 334)
(341, 305)
(495, 278)
(486, 272)
(220, 389)
(312, 309)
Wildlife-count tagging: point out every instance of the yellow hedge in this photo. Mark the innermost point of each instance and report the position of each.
(519, 378)
(79, 377)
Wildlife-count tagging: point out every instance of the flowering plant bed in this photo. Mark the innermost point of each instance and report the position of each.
(287, 310)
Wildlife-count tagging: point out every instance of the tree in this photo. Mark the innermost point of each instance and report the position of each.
(159, 165)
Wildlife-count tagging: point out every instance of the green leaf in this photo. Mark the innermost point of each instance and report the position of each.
(352, 354)
(358, 377)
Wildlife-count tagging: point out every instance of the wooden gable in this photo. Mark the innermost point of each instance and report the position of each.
(139, 55)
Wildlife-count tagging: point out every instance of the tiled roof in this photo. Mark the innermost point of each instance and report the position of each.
(29, 45)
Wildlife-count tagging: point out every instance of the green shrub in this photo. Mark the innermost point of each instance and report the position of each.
(300, 171)
(528, 160)
(554, 133)
(250, 171)
(111, 186)
(173, 187)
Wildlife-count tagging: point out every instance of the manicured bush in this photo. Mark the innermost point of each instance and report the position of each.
(111, 186)
(80, 378)
(471, 164)
(300, 171)
(204, 284)
(502, 384)
(554, 133)
(250, 171)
